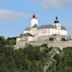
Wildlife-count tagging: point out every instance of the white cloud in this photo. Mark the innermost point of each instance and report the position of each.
(8, 14)
(56, 3)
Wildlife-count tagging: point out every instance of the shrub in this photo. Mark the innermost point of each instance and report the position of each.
(51, 39)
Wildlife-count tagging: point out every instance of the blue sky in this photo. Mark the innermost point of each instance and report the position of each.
(15, 15)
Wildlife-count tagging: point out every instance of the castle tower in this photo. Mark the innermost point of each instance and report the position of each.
(57, 23)
(34, 20)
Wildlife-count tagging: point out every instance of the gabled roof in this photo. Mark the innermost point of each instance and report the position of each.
(28, 28)
(35, 26)
(63, 28)
(50, 26)
(44, 26)
(27, 34)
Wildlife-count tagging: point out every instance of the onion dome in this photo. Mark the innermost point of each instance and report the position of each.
(34, 16)
(56, 21)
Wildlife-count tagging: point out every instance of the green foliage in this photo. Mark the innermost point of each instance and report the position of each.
(64, 60)
(63, 39)
(11, 41)
(2, 40)
(51, 39)
(28, 59)
(32, 58)
(8, 41)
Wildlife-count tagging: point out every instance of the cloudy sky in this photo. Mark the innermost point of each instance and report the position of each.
(15, 15)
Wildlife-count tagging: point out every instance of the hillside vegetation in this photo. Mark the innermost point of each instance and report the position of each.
(33, 58)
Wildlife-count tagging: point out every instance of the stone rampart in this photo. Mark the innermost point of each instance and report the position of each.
(60, 44)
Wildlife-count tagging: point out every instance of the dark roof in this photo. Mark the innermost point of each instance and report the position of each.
(35, 26)
(21, 35)
(50, 26)
(63, 28)
(28, 28)
(27, 34)
(46, 26)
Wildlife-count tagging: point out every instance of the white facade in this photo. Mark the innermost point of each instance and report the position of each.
(33, 31)
(46, 32)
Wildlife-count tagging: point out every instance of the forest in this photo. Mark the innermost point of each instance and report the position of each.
(32, 58)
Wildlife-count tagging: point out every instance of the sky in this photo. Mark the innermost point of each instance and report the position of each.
(15, 15)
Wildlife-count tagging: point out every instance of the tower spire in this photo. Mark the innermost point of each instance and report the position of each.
(56, 20)
(34, 16)
(34, 20)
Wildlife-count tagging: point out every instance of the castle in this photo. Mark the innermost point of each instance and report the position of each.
(39, 34)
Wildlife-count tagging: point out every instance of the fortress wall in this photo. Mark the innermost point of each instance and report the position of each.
(60, 44)
(20, 45)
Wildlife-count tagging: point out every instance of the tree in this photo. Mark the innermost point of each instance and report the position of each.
(2, 40)
(11, 41)
(33, 58)
(51, 39)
